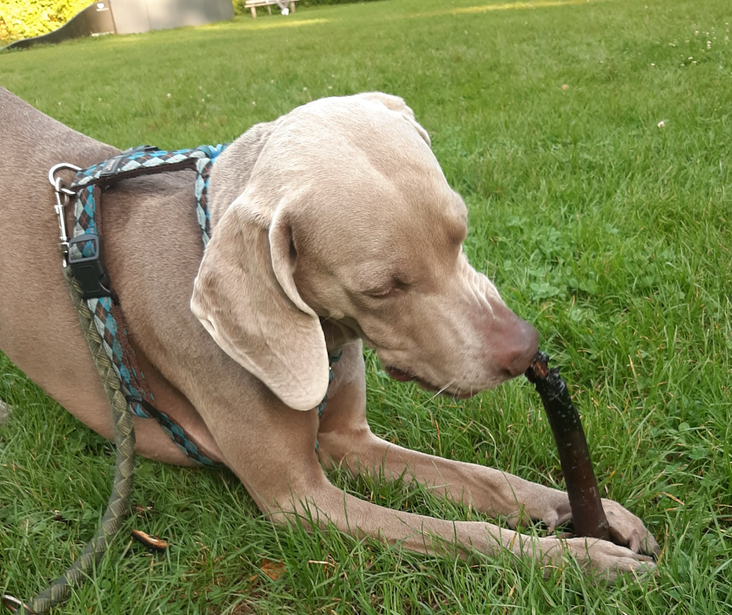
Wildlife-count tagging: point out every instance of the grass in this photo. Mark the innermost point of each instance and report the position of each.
(609, 232)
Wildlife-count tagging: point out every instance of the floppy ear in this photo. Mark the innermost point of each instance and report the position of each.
(396, 103)
(245, 296)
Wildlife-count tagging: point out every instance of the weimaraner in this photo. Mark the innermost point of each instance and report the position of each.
(333, 226)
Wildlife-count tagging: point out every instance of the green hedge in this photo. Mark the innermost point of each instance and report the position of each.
(24, 18)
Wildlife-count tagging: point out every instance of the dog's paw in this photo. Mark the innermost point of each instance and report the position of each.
(606, 560)
(627, 529)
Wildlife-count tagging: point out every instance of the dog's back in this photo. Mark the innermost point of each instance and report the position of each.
(39, 331)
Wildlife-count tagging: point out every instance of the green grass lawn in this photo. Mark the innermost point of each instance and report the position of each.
(591, 141)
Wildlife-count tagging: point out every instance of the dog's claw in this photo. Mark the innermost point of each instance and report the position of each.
(553, 520)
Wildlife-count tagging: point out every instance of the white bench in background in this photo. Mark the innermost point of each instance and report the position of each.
(253, 4)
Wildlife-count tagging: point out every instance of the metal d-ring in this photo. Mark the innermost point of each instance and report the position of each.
(56, 181)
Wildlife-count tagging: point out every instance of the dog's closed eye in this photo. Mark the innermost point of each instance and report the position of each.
(386, 291)
(381, 293)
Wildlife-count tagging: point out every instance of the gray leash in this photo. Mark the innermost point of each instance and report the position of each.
(119, 501)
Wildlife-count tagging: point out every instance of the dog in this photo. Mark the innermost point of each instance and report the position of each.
(333, 227)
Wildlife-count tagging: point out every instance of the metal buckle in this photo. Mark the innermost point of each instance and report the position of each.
(62, 194)
(89, 271)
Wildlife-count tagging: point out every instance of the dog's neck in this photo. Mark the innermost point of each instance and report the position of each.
(336, 335)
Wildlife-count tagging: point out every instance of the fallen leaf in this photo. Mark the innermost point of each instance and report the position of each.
(151, 542)
(272, 569)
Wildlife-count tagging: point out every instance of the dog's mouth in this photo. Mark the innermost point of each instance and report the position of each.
(400, 374)
(404, 376)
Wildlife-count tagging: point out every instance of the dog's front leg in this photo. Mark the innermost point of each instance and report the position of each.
(345, 438)
(272, 449)
(326, 503)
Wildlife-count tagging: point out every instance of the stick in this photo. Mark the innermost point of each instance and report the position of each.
(588, 516)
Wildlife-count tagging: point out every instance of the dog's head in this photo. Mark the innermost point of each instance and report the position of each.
(339, 212)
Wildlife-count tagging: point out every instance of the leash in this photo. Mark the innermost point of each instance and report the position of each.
(119, 501)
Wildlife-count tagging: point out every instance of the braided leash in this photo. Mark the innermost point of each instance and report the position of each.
(119, 501)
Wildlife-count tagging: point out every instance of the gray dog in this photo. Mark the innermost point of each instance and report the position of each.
(332, 226)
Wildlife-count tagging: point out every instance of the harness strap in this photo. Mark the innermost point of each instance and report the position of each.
(147, 160)
(332, 358)
(85, 258)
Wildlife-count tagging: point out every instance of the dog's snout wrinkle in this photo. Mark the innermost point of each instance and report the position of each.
(479, 291)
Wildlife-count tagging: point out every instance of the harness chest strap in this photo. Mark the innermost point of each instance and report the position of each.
(85, 258)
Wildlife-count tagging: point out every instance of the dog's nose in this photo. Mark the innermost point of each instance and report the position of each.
(519, 344)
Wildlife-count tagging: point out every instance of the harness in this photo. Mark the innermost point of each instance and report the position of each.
(85, 257)
(105, 329)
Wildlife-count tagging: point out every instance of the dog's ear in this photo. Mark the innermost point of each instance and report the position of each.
(245, 296)
(396, 103)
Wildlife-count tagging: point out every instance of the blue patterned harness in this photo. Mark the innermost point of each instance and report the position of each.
(85, 257)
(85, 260)
(82, 257)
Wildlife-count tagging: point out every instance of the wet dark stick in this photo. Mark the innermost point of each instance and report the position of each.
(588, 516)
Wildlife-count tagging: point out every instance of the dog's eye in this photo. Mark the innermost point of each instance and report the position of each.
(381, 293)
(387, 291)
